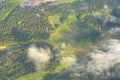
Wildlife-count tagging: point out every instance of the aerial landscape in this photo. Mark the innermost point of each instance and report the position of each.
(59, 40)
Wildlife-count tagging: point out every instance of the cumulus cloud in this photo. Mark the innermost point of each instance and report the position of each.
(98, 64)
(69, 61)
(39, 55)
(114, 33)
(114, 30)
(103, 60)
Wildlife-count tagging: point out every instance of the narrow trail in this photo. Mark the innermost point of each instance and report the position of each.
(5, 48)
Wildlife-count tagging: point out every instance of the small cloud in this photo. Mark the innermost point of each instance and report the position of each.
(114, 30)
(39, 55)
(69, 61)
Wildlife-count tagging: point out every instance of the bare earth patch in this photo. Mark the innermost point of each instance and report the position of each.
(3, 47)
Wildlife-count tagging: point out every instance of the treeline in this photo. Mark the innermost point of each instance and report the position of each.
(16, 62)
(33, 24)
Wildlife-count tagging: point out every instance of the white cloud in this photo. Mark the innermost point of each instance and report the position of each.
(103, 60)
(69, 61)
(114, 30)
(98, 63)
(39, 55)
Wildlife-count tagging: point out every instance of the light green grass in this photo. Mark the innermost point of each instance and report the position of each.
(34, 76)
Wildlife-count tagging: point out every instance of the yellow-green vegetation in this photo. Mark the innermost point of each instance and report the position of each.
(64, 32)
(66, 51)
(65, 26)
(61, 26)
(40, 74)
(34, 76)
(5, 11)
(54, 19)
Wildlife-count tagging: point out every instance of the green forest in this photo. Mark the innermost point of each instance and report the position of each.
(62, 33)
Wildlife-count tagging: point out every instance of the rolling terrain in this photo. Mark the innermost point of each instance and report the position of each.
(60, 40)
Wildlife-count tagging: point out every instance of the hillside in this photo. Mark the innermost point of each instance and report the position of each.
(59, 40)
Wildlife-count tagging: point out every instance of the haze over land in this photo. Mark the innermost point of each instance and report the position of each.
(59, 40)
